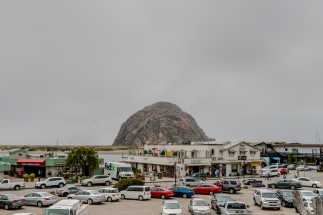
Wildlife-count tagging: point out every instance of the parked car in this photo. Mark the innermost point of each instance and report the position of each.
(258, 183)
(286, 198)
(207, 189)
(282, 171)
(40, 199)
(266, 199)
(161, 193)
(7, 184)
(307, 182)
(88, 196)
(305, 168)
(236, 208)
(219, 200)
(136, 192)
(97, 180)
(10, 201)
(181, 191)
(199, 206)
(231, 185)
(199, 175)
(67, 207)
(285, 184)
(270, 172)
(249, 181)
(191, 182)
(51, 182)
(302, 201)
(291, 167)
(65, 191)
(111, 194)
(171, 207)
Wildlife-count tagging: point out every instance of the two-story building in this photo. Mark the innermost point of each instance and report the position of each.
(221, 159)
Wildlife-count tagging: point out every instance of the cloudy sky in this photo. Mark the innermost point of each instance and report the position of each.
(73, 71)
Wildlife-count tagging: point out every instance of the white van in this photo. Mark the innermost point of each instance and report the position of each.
(67, 207)
(136, 192)
(118, 170)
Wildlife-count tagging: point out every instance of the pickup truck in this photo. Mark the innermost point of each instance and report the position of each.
(7, 184)
(236, 208)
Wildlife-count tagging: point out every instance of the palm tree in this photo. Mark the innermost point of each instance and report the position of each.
(82, 159)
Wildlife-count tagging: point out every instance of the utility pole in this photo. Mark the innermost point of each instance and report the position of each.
(175, 173)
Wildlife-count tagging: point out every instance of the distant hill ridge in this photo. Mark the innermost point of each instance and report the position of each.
(159, 123)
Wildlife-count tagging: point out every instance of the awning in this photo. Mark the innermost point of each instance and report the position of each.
(30, 162)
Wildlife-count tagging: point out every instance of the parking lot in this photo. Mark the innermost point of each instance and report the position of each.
(153, 206)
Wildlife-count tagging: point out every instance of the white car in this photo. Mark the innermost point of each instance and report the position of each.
(7, 184)
(199, 206)
(238, 208)
(266, 199)
(265, 172)
(111, 194)
(307, 182)
(136, 192)
(97, 180)
(51, 182)
(171, 207)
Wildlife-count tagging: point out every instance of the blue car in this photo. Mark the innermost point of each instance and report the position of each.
(184, 192)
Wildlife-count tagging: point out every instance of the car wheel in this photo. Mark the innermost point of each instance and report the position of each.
(184, 196)
(273, 186)
(162, 197)
(108, 183)
(60, 185)
(314, 185)
(89, 184)
(140, 198)
(43, 186)
(109, 199)
(39, 204)
(292, 187)
(65, 194)
(123, 196)
(89, 201)
(6, 207)
(231, 190)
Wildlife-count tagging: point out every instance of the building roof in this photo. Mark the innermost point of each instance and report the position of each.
(231, 145)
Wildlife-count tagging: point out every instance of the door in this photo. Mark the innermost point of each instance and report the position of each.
(305, 182)
(4, 184)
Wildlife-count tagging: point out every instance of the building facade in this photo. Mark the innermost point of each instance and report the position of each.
(211, 158)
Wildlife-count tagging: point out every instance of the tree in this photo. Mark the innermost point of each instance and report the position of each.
(82, 159)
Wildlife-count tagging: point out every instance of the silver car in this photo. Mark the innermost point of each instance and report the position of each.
(199, 206)
(88, 196)
(65, 191)
(40, 199)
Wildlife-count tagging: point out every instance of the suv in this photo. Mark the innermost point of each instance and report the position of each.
(238, 208)
(51, 182)
(97, 180)
(266, 199)
(136, 192)
(231, 185)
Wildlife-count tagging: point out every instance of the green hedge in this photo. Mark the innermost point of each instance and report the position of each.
(125, 183)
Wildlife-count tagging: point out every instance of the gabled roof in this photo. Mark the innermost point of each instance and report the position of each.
(230, 146)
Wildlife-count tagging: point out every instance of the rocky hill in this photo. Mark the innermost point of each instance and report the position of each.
(159, 123)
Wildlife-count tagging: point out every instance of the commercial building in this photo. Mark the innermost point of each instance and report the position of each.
(211, 158)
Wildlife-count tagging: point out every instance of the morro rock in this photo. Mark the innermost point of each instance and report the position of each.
(159, 123)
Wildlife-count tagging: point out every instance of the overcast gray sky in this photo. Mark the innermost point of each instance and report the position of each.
(75, 70)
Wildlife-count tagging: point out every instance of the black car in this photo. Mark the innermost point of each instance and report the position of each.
(10, 201)
(285, 184)
(249, 181)
(219, 200)
(286, 198)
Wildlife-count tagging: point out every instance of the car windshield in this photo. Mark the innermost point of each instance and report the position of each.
(172, 205)
(269, 195)
(236, 205)
(125, 169)
(200, 203)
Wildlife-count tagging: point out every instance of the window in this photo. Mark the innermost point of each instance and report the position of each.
(252, 153)
(147, 189)
(231, 154)
(242, 152)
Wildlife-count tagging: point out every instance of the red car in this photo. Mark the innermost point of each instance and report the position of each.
(207, 189)
(161, 193)
(283, 171)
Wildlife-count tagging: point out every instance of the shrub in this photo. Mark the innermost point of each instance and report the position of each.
(26, 177)
(125, 183)
(32, 177)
